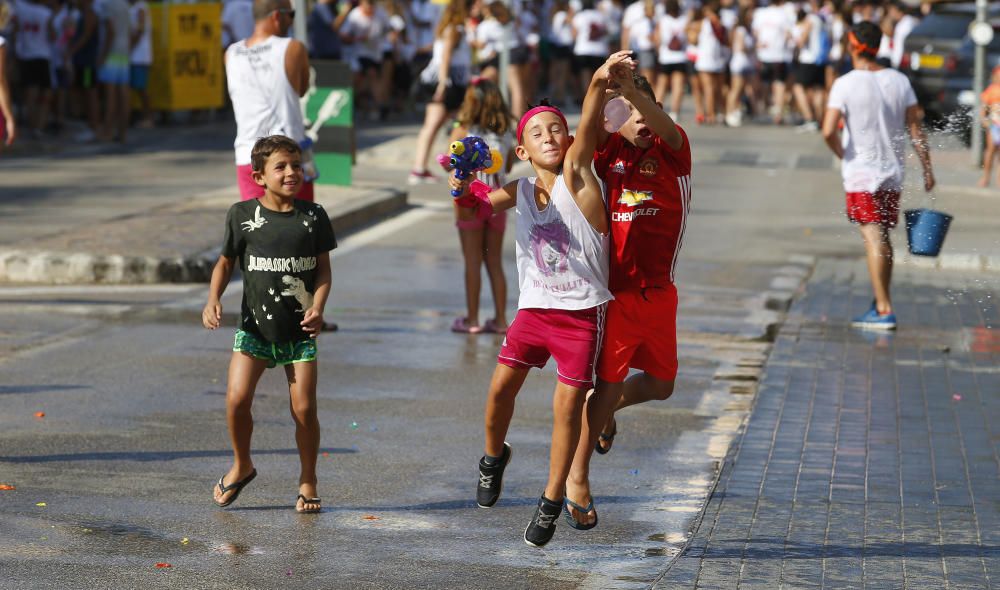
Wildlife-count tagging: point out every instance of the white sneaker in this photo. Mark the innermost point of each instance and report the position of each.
(734, 119)
(808, 127)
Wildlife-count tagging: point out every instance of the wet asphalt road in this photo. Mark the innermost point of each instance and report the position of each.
(134, 433)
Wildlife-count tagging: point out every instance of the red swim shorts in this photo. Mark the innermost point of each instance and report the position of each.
(881, 207)
(641, 333)
(572, 337)
(496, 222)
(251, 190)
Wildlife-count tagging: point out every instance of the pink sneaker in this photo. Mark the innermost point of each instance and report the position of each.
(424, 177)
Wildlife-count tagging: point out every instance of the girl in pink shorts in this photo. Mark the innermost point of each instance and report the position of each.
(562, 266)
(484, 113)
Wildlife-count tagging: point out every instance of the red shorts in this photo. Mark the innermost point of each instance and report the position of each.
(251, 190)
(881, 207)
(641, 333)
(496, 222)
(573, 337)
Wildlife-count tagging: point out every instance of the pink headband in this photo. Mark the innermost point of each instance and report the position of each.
(539, 109)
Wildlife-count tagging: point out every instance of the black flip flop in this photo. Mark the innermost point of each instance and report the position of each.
(308, 501)
(608, 438)
(237, 486)
(567, 504)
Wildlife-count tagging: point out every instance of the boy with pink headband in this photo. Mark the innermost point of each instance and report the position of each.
(562, 266)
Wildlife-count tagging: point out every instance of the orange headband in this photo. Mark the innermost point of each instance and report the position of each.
(872, 51)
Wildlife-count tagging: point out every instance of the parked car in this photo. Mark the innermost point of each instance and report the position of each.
(939, 58)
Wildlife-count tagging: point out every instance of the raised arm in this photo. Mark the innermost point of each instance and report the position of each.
(658, 121)
(581, 153)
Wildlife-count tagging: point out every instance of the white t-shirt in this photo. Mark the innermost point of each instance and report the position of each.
(238, 15)
(771, 27)
(811, 52)
(562, 261)
(367, 32)
(899, 35)
(710, 50)
(32, 41)
(490, 34)
(592, 35)
(142, 53)
(562, 31)
(640, 34)
(875, 135)
(64, 23)
(672, 32)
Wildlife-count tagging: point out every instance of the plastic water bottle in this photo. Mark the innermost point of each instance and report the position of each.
(616, 113)
(309, 170)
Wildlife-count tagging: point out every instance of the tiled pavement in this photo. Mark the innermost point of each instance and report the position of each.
(869, 460)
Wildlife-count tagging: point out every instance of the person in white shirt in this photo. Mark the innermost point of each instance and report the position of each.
(742, 68)
(33, 35)
(772, 28)
(141, 57)
(592, 42)
(364, 30)
(560, 51)
(711, 62)
(812, 37)
(905, 23)
(671, 58)
(490, 41)
(638, 32)
(879, 110)
(267, 73)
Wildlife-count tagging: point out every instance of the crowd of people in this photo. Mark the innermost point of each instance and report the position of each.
(728, 59)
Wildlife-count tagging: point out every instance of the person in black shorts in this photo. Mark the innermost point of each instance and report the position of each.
(82, 53)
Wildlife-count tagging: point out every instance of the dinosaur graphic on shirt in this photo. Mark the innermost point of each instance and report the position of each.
(297, 288)
(256, 223)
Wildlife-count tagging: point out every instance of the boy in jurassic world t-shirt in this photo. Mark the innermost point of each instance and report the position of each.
(646, 166)
(283, 245)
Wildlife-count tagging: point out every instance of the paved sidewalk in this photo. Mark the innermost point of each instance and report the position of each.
(869, 460)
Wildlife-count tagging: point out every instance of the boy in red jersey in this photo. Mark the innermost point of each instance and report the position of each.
(646, 167)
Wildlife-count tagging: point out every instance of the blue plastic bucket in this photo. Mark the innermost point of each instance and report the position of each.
(925, 230)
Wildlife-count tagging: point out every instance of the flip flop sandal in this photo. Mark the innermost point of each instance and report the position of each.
(462, 326)
(608, 438)
(491, 327)
(236, 487)
(308, 501)
(567, 504)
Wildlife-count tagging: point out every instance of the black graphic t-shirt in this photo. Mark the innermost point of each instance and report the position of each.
(277, 253)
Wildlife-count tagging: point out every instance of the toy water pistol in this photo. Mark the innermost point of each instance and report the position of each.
(468, 156)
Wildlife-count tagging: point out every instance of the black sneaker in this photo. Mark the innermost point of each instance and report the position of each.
(543, 524)
(491, 479)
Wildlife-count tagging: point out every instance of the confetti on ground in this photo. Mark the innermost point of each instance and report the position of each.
(39, 414)
(6, 487)
(370, 517)
(163, 564)
(41, 504)
(807, 231)
(288, 573)
(633, 472)
(957, 397)
(185, 541)
(326, 454)
(354, 425)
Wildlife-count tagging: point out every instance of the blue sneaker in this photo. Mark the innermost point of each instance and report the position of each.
(873, 320)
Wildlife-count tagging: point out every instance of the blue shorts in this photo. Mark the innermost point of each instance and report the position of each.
(281, 353)
(114, 70)
(138, 77)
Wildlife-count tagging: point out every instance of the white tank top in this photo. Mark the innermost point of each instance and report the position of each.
(562, 261)
(264, 101)
(460, 65)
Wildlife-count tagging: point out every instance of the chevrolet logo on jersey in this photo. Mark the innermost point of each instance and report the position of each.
(633, 198)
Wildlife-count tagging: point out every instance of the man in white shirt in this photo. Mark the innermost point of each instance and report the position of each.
(772, 28)
(879, 110)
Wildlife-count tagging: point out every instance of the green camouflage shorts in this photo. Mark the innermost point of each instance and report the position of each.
(282, 353)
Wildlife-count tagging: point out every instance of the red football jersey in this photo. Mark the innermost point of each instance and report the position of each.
(649, 196)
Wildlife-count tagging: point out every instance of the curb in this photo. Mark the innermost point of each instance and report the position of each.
(51, 267)
(954, 261)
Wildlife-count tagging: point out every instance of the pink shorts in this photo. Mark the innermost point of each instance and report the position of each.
(573, 337)
(497, 222)
(881, 207)
(251, 190)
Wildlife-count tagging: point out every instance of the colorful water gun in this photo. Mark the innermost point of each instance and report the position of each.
(471, 155)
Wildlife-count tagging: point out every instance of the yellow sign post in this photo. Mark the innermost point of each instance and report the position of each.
(187, 71)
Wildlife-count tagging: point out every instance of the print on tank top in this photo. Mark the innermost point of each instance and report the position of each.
(550, 244)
